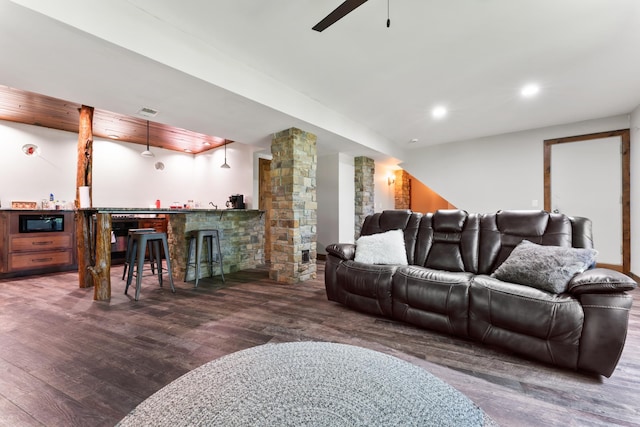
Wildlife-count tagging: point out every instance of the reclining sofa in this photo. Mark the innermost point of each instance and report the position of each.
(487, 277)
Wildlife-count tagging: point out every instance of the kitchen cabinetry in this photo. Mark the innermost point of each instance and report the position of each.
(159, 224)
(29, 246)
(121, 226)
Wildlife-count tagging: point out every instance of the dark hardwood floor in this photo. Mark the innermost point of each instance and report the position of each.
(66, 360)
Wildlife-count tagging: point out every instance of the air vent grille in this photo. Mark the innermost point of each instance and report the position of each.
(147, 112)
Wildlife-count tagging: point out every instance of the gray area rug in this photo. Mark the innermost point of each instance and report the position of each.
(307, 384)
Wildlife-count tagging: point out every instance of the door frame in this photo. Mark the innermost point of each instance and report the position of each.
(625, 158)
(264, 202)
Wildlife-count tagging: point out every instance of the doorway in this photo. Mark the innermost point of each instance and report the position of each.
(589, 175)
(264, 202)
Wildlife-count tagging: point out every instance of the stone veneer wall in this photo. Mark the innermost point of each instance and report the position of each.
(294, 206)
(365, 169)
(402, 190)
(241, 239)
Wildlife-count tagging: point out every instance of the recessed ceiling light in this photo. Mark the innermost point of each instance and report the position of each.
(113, 136)
(438, 112)
(530, 90)
(413, 141)
(206, 144)
(186, 150)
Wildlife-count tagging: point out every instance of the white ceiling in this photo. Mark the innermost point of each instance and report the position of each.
(243, 69)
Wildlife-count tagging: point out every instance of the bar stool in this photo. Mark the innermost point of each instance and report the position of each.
(127, 253)
(139, 243)
(198, 237)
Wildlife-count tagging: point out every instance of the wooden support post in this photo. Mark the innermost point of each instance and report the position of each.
(83, 178)
(101, 271)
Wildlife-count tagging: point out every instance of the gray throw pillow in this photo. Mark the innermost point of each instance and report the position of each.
(549, 268)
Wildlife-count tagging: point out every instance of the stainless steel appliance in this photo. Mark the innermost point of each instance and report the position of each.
(40, 223)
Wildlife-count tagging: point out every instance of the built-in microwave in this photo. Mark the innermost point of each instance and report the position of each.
(40, 223)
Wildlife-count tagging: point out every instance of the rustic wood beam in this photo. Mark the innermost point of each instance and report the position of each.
(83, 178)
(101, 271)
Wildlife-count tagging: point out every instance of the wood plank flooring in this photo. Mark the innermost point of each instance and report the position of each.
(66, 360)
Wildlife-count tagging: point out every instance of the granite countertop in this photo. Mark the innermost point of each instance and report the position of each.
(34, 210)
(132, 211)
(116, 210)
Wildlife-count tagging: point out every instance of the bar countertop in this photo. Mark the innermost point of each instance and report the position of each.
(116, 210)
(241, 234)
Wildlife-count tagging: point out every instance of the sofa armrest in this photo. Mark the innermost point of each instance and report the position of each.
(344, 251)
(606, 319)
(599, 281)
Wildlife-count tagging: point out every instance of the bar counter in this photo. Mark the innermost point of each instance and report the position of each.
(241, 235)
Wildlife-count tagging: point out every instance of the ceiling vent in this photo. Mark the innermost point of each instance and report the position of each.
(147, 112)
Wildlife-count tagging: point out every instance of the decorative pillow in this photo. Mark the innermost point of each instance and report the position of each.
(382, 248)
(549, 268)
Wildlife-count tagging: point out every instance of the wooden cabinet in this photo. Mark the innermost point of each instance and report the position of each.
(159, 224)
(23, 253)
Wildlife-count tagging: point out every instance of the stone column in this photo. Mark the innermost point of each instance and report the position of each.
(402, 190)
(365, 169)
(294, 206)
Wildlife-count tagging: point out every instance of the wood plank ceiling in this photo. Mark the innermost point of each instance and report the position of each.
(40, 110)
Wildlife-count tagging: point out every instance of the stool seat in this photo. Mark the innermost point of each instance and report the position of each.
(139, 243)
(199, 238)
(127, 253)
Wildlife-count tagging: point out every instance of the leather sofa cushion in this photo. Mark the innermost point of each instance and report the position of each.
(522, 223)
(448, 240)
(433, 299)
(526, 320)
(449, 220)
(366, 287)
(504, 230)
(395, 220)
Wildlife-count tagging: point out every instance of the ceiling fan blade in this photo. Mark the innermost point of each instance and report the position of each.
(340, 12)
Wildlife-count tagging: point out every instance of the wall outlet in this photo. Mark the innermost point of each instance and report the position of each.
(534, 203)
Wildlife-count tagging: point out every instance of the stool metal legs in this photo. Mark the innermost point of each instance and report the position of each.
(199, 237)
(129, 248)
(139, 244)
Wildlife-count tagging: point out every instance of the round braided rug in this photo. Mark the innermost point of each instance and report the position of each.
(307, 384)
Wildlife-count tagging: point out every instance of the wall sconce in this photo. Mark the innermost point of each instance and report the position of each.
(391, 179)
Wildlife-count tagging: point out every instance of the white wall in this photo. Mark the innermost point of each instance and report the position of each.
(384, 196)
(635, 191)
(34, 178)
(121, 177)
(506, 171)
(346, 197)
(335, 193)
(216, 185)
(497, 172)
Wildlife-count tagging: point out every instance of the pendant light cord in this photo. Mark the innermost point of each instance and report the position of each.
(388, 18)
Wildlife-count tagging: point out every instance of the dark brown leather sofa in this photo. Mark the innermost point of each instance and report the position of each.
(447, 285)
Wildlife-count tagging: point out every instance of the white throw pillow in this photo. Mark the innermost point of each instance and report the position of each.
(382, 248)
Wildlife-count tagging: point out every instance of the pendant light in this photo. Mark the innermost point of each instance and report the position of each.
(147, 152)
(225, 165)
